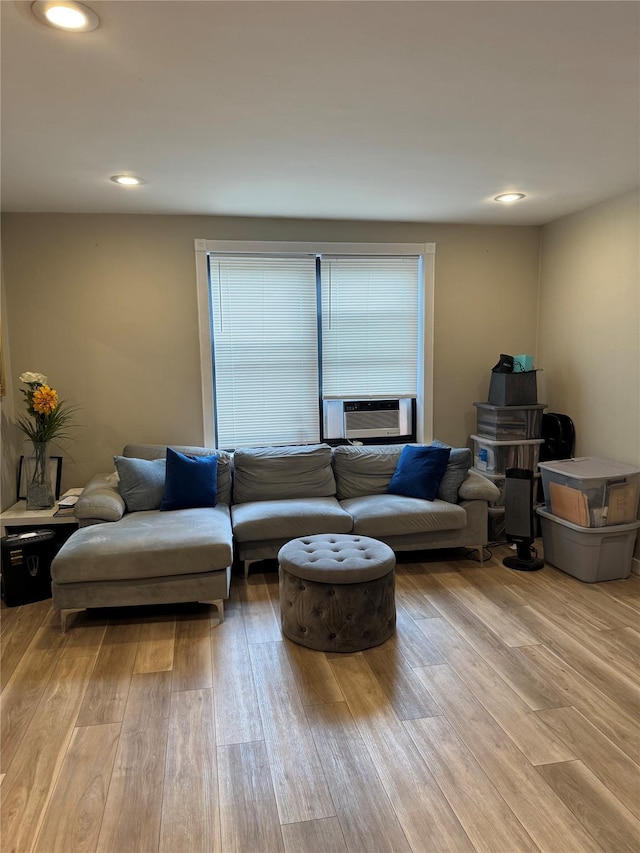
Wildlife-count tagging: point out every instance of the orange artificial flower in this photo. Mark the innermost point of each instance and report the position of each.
(45, 400)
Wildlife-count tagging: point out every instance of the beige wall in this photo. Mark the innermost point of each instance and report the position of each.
(105, 305)
(589, 327)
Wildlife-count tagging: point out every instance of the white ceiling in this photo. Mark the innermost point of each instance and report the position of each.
(407, 111)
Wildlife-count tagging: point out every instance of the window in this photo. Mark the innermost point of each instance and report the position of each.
(283, 326)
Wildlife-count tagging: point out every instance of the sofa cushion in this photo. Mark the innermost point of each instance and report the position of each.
(100, 500)
(190, 482)
(419, 471)
(460, 460)
(368, 470)
(141, 482)
(396, 515)
(147, 545)
(159, 451)
(282, 473)
(288, 519)
(365, 470)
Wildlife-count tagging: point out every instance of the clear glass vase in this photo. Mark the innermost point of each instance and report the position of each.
(39, 486)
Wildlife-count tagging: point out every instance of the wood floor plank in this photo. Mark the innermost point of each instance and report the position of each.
(305, 795)
(405, 692)
(505, 624)
(20, 698)
(542, 813)
(248, 811)
(192, 668)
(602, 673)
(314, 836)
(107, 693)
(314, 677)
(602, 814)
(80, 792)
(261, 621)
(86, 638)
(30, 779)
(585, 603)
(237, 718)
(156, 645)
(365, 813)
(191, 822)
(422, 809)
(494, 588)
(18, 635)
(539, 743)
(412, 644)
(600, 709)
(411, 598)
(148, 700)
(133, 811)
(509, 663)
(611, 765)
(486, 818)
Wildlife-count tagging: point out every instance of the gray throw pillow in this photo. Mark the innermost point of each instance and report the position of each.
(141, 483)
(460, 460)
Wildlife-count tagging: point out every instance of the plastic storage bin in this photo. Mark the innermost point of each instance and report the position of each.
(494, 457)
(509, 423)
(500, 480)
(591, 492)
(589, 554)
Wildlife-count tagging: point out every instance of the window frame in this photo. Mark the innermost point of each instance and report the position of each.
(426, 251)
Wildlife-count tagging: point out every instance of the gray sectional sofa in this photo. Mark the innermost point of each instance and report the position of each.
(265, 497)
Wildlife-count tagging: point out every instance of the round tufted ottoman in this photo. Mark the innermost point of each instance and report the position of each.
(337, 592)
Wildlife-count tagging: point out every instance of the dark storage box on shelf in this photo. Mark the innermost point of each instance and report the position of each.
(513, 389)
(509, 423)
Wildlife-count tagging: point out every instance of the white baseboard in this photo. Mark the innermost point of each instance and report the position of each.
(635, 566)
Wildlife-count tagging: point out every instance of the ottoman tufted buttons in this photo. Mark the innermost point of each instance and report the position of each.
(332, 636)
(332, 591)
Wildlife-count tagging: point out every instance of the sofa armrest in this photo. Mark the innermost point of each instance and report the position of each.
(475, 487)
(100, 500)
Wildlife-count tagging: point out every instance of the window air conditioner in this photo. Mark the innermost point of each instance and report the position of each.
(371, 418)
(362, 419)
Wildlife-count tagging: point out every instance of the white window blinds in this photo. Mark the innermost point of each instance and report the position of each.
(265, 342)
(370, 321)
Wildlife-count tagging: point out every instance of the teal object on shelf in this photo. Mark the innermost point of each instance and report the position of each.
(522, 363)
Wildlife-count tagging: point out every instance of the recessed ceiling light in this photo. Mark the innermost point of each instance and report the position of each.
(509, 198)
(65, 15)
(127, 180)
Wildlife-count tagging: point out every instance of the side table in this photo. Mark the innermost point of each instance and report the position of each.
(18, 587)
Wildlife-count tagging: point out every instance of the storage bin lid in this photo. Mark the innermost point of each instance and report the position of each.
(497, 477)
(602, 531)
(590, 468)
(510, 409)
(481, 439)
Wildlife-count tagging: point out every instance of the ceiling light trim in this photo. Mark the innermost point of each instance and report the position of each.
(127, 181)
(509, 198)
(86, 17)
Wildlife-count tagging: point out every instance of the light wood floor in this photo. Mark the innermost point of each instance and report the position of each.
(501, 717)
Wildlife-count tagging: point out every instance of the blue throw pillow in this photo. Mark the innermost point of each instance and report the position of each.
(419, 471)
(191, 481)
(141, 482)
